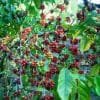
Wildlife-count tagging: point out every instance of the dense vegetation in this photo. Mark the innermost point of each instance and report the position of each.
(49, 50)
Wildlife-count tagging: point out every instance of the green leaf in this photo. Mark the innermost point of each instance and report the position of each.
(97, 83)
(85, 43)
(95, 70)
(83, 91)
(25, 80)
(65, 84)
(33, 10)
(37, 3)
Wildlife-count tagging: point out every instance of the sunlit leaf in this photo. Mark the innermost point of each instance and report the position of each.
(65, 84)
(97, 83)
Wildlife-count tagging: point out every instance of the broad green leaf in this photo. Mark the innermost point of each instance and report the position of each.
(37, 3)
(95, 70)
(85, 43)
(65, 84)
(76, 34)
(83, 91)
(97, 83)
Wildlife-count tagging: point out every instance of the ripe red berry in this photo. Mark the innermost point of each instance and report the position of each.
(26, 52)
(25, 32)
(75, 64)
(74, 49)
(58, 18)
(53, 44)
(35, 83)
(81, 15)
(42, 6)
(49, 84)
(23, 62)
(81, 72)
(46, 42)
(91, 57)
(59, 31)
(61, 46)
(54, 70)
(34, 64)
(66, 56)
(36, 56)
(17, 93)
(75, 41)
(6, 98)
(54, 59)
(48, 75)
(15, 71)
(61, 7)
(43, 16)
(47, 97)
(3, 47)
(64, 38)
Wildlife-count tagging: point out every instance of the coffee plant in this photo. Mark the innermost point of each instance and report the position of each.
(49, 50)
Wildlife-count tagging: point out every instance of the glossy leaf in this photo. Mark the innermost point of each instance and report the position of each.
(95, 70)
(97, 83)
(37, 3)
(85, 43)
(83, 91)
(65, 84)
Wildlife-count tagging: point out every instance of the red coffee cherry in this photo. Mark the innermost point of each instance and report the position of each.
(6, 98)
(49, 84)
(54, 70)
(61, 7)
(17, 93)
(58, 18)
(81, 72)
(81, 15)
(74, 49)
(66, 56)
(3, 47)
(43, 16)
(75, 41)
(47, 97)
(46, 42)
(34, 64)
(36, 56)
(61, 46)
(75, 64)
(35, 83)
(23, 62)
(54, 60)
(48, 75)
(64, 38)
(59, 31)
(91, 57)
(15, 71)
(27, 52)
(42, 6)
